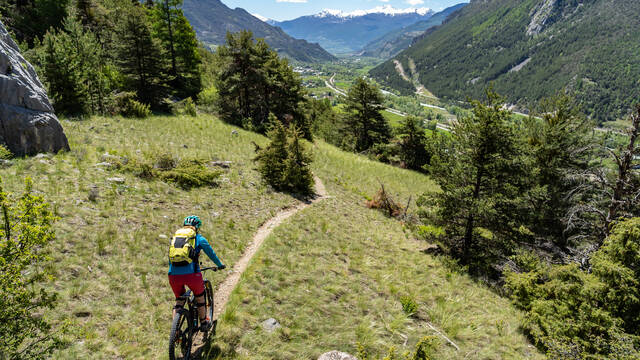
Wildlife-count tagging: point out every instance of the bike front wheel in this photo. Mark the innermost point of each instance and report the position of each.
(180, 338)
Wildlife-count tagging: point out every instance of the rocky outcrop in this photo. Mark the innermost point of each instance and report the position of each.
(549, 11)
(28, 124)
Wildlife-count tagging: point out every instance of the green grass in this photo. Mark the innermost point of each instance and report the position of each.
(335, 275)
(109, 260)
(393, 119)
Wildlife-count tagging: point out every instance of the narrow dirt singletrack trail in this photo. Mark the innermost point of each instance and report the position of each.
(223, 291)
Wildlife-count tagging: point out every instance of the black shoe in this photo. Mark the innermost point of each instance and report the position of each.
(205, 325)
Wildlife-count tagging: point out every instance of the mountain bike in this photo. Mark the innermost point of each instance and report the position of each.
(185, 323)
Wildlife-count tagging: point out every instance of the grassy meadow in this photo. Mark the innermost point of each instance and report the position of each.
(332, 275)
(110, 255)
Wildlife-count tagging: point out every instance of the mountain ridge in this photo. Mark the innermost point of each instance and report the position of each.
(211, 20)
(529, 50)
(343, 32)
(395, 41)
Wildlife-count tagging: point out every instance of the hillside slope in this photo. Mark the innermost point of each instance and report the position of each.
(211, 20)
(394, 42)
(332, 273)
(532, 49)
(349, 32)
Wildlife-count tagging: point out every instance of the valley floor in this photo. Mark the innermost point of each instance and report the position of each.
(332, 275)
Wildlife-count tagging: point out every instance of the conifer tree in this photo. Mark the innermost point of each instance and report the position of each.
(140, 58)
(364, 119)
(179, 41)
(272, 159)
(254, 82)
(298, 177)
(481, 175)
(413, 143)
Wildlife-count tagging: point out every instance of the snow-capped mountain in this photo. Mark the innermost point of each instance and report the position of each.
(386, 10)
(347, 32)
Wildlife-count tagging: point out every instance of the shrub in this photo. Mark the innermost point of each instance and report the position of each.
(187, 174)
(190, 174)
(207, 98)
(424, 351)
(125, 104)
(594, 314)
(5, 154)
(25, 232)
(190, 107)
(409, 305)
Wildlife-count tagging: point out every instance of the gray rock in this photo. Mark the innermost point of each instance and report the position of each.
(163, 236)
(5, 163)
(270, 324)
(28, 124)
(117, 180)
(336, 355)
(222, 164)
(104, 165)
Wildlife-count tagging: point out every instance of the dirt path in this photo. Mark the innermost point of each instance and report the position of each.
(223, 292)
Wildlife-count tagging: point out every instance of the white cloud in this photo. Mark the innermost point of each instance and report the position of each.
(292, 1)
(415, 2)
(385, 1)
(386, 9)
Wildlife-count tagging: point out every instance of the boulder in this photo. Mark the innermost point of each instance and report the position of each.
(270, 324)
(336, 355)
(28, 124)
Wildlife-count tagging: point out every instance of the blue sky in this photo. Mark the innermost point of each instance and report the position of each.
(290, 9)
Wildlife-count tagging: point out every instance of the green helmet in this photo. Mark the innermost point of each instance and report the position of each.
(192, 221)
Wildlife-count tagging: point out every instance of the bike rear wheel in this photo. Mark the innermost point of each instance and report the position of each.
(209, 301)
(180, 338)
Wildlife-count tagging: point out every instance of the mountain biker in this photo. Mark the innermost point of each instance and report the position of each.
(190, 274)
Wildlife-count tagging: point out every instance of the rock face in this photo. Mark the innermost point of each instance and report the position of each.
(28, 124)
(336, 355)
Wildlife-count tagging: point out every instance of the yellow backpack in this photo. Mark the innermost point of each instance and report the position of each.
(182, 251)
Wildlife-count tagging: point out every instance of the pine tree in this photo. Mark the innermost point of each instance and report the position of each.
(140, 58)
(413, 143)
(298, 177)
(179, 41)
(272, 159)
(364, 118)
(481, 175)
(254, 82)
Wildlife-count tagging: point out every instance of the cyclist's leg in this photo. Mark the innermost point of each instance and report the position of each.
(196, 284)
(177, 285)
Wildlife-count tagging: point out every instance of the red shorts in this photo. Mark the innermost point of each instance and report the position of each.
(193, 281)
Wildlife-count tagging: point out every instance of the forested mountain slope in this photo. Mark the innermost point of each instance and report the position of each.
(341, 32)
(397, 40)
(532, 49)
(211, 20)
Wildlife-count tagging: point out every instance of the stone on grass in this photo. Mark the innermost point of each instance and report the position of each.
(5, 163)
(117, 180)
(270, 324)
(28, 124)
(336, 355)
(222, 164)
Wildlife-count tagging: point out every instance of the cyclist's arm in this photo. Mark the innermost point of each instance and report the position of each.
(204, 245)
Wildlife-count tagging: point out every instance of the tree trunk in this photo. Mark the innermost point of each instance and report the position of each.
(468, 236)
(624, 168)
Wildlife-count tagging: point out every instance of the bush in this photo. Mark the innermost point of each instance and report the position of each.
(125, 104)
(26, 230)
(5, 154)
(187, 174)
(191, 174)
(207, 99)
(594, 314)
(409, 305)
(190, 107)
